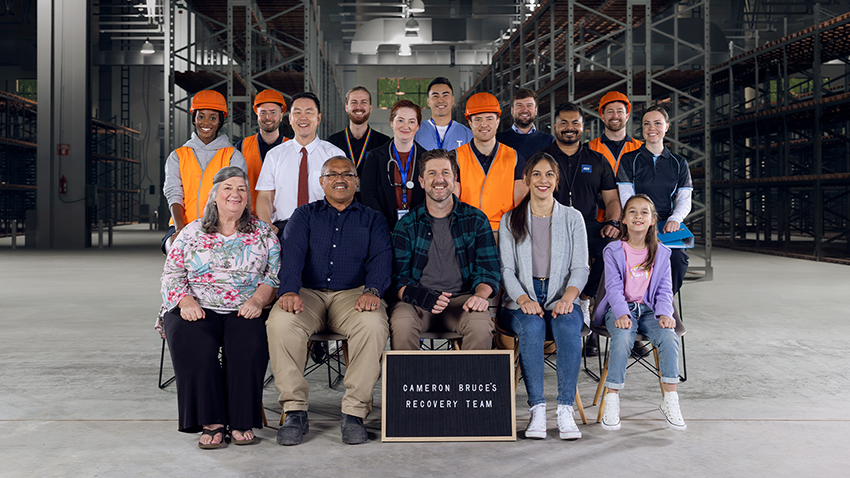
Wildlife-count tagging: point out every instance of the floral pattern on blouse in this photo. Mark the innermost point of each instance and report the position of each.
(220, 272)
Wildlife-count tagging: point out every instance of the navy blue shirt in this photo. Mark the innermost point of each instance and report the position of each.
(584, 176)
(335, 250)
(660, 177)
(525, 144)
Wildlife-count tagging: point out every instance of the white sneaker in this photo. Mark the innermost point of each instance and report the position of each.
(566, 424)
(537, 423)
(611, 415)
(585, 310)
(670, 408)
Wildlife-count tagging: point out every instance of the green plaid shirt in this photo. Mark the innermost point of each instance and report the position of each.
(474, 244)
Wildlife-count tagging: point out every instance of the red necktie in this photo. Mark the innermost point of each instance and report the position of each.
(303, 193)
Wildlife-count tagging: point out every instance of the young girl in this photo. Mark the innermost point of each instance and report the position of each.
(639, 299)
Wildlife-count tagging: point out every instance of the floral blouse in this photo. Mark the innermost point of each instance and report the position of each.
(220, 272)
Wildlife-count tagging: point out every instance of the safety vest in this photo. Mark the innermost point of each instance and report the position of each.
(251, 151)
(197, 183)
(493, 193)
(597, 145)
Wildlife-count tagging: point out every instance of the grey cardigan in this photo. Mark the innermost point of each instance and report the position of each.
(568, 263)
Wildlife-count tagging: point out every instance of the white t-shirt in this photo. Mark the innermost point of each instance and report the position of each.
(280, 173)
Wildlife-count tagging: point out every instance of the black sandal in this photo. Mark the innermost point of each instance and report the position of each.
(213, 433)
(250, 441)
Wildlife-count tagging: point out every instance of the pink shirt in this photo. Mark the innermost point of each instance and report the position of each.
(637, 277)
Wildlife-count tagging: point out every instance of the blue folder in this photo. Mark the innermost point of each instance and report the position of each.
(679, 239)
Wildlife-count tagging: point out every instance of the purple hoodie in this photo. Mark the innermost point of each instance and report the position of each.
(659, 295)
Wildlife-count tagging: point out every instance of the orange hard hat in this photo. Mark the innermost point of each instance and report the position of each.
(270, 96)
(482, 103)
(209, 100)
(612, 96)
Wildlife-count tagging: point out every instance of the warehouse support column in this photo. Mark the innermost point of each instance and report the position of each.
(64, 125)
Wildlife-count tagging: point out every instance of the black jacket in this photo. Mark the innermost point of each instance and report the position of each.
(376, 189)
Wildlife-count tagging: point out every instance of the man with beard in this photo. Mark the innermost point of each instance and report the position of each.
(269, 107)
(614, 109)
(523, 136)
(441, 132)
(445, 263)
(291, 171)
(358, 138)
(585, 175)
(490, 172)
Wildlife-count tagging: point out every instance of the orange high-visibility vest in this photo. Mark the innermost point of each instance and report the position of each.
(251, 151)
(493, 193)
(597, 145)
(197, 183)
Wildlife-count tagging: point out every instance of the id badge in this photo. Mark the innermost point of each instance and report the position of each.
(402, 212)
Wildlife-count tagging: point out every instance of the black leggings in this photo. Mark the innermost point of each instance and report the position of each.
(212, 390)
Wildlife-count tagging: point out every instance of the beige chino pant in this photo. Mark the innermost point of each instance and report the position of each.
(408, 321)
(332, 311)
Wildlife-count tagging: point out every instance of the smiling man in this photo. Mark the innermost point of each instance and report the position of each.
(440, 132)
(269, 106)
(358, 138)
(290, 174)
(523, 136)
(335, 271)
(445, 264)
(585, 177)
(490, 172)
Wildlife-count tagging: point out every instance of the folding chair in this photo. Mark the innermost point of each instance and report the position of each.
(334, 360)
(453, 340)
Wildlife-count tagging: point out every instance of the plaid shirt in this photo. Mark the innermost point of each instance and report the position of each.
(474, 244)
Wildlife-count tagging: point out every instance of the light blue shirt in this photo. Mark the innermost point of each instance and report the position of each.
(518, 131)
(456, 136)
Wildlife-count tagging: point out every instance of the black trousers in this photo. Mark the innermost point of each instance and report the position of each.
(678, 267)
(212, 390)
(595, 245)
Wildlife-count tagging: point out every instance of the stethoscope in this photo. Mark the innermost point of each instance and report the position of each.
(406, 182)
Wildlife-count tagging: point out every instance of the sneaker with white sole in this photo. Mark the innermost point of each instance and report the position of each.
(611, 415)
(537, 422)
(566, 423)
(585, 310)
(670, 408)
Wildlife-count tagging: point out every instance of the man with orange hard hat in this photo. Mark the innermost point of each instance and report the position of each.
(269, 106)
(189, 170)
(490, 172)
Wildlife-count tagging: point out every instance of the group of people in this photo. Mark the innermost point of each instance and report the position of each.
(377, 237)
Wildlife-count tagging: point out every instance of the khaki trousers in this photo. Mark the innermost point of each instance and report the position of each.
(332, 311)
(408, 321)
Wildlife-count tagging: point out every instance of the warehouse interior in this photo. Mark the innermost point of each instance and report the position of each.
(94, 95)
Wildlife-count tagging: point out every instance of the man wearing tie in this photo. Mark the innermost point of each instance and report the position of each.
(290, 174)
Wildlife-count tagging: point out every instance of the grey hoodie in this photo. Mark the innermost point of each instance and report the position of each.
(173, 188)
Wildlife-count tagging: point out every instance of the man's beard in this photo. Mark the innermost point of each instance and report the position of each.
(359, 120)
(521, 124)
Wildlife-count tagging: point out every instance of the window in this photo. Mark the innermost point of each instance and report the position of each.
(28, 88)
(391, 90)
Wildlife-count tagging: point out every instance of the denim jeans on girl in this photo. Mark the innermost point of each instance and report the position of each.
(622, 341)
(531, 332)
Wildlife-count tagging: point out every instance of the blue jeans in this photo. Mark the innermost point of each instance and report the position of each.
(622, 341)
(531, 333)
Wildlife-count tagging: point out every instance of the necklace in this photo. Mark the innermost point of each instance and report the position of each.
(541, 215)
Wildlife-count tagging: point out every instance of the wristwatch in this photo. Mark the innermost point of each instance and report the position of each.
(614, 223)
(373, 291)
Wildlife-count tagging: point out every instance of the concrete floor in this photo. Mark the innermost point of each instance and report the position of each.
(766, 393)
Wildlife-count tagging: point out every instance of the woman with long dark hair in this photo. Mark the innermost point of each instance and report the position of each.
(543, 246)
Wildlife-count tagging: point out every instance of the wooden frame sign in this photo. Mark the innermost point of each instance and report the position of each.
(453, 395)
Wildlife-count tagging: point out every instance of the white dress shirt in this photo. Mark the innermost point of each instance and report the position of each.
(280, 174)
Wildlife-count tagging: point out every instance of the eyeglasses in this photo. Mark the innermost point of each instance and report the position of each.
(335, 176)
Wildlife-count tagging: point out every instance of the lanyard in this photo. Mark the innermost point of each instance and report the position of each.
(362, 151)
(404, 172)
(437, 133)
(572, 182)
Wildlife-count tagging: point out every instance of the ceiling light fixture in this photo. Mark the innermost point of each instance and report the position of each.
(411, 26)
(416, 6)
(404, 50)
(147, 47)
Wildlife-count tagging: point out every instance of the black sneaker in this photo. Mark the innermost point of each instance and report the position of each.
(294, 427)
(319, 351)
(641, 350)
(353, 430)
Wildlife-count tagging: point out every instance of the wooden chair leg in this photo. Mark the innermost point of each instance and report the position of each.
(602, 377)
(265, 422)
(580, 408)
(601, 404)
(282, 417)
